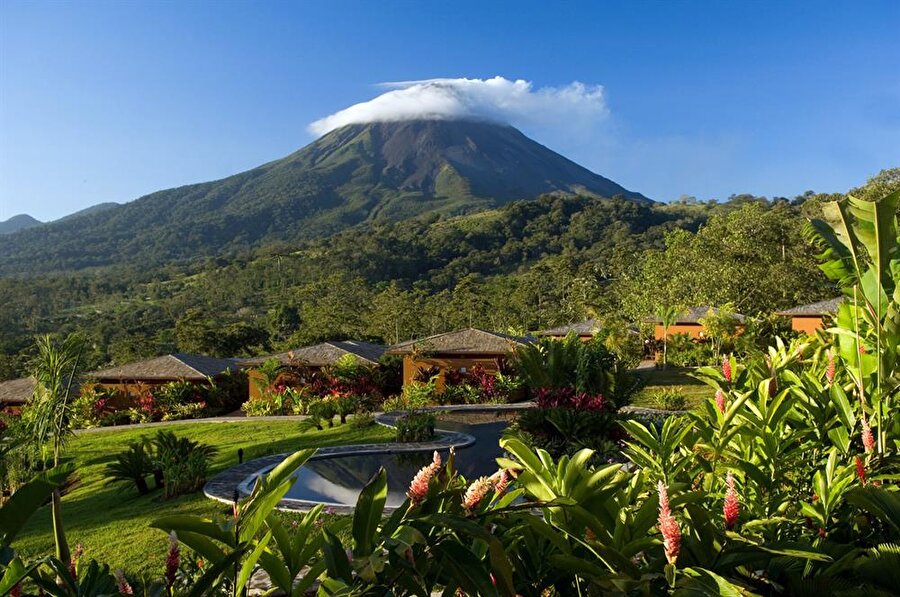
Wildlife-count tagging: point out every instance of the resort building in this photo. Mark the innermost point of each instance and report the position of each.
(583, 329)
(314, 357)
(809, 318)
(689, 323)
(455, 351)
(15, 393)
(134, 379)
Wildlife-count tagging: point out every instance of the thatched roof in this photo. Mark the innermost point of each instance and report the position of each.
(588, 327)
(16, 392)
(828, 307)
(462, 342)
(324, 354)
(695, 314)
(189, 367)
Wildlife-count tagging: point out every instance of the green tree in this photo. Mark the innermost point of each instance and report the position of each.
(56, 370)
(667, 317)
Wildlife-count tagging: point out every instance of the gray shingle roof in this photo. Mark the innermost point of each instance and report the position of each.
(16, 391)
(694, 315)
(190, 367)
(467, 341)
(588, 327)
(324, 354)
(828, 307)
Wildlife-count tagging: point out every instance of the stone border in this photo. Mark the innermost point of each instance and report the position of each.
(241, 477)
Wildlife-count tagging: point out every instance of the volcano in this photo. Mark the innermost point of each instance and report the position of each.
(376, 172)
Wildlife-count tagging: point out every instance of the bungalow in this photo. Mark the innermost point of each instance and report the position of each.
(317, 356)
(583, 329)
(809, 318)
(688, 323)
(455, 351)
(15, 393)
(134, 379)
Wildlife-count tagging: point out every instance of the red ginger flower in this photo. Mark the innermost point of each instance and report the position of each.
(868, 439)
(726, 368)
(720, 401)
(121, 584)
(668, 526)
(16, 591)
(830, 370)
(418, 488)
(476, 492)
(861, 470)
(73, 561)
(731, 509)
(173, 560)
(500, 479)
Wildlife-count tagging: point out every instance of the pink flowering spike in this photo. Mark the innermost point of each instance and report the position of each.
(830, 370)
(73, 562)
(720, 401)
(436, 461)
(731, 509)
(726, 368)
(418, 487)
(173, 561)
(868, 439)
(501, 481)
(668, 526)
(121, 584)
(861, 471)
(476, 492)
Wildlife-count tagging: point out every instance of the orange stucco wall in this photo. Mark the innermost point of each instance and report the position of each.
(807, 324)
(412, 365)
(691, 329)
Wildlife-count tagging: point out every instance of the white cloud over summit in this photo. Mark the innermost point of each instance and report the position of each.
(518, 103)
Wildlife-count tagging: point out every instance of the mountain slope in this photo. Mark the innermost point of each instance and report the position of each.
(19, 222)
(355, 174)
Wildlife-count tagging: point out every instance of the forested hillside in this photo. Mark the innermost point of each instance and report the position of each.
(524, 266)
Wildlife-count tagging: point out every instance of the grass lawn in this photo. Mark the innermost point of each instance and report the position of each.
(655, 380)
(112, 521)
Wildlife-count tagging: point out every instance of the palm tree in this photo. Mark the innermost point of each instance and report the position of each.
(56, 371)
(668, 316)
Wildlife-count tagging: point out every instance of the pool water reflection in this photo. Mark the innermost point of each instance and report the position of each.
(338, 480)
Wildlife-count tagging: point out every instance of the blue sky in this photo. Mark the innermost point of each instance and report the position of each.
(107, 101)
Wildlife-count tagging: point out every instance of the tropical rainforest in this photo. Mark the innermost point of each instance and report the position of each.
(523, 266)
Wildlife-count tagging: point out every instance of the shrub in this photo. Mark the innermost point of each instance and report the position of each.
(132, 466)
(260, 407)
(322, 410)
(184, 463)
(670, 398)
(415, 395)
(415, 427)
(362, 420)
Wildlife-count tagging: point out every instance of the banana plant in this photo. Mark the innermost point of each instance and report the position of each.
(862, 252)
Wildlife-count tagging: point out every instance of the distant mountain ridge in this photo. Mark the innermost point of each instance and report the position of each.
(355, 174)
(18, 222)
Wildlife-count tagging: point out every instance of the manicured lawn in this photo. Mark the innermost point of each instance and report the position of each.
(655, 380)
(112, 522)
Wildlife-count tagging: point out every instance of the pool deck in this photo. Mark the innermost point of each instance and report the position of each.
(240, 479)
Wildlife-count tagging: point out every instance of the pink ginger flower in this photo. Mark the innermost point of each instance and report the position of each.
(830, 370)
(121, 584)
(476, 492)
(668, 526)
(173, 560)
(868, 439)
(418, 488)
(720, 401)
(860, 471)
(73, 562)
(726, 368)
(731, 509)
(500, 480)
